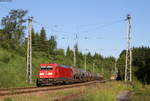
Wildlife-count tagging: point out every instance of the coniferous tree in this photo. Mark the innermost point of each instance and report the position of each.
(37, 42)
(52, 45)
(33, 40)
(43, 41)
(68, 52)
(2, 37)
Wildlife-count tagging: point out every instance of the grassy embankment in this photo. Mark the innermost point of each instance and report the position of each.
(142, 93)
(112, 89)
(98, 92)
(13, 68)
(108, 92)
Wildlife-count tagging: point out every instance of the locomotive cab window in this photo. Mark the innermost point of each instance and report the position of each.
(49, 67)
(46, 67)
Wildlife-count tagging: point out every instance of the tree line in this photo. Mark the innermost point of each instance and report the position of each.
(140, 64)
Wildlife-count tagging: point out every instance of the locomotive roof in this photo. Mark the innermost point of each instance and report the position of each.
(61, 65)
(64, 66)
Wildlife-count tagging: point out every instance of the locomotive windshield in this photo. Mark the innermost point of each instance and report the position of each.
(46, 67)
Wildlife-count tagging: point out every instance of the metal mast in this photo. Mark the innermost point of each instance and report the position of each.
(74, 53)
(29, 51)
(116, 69)
(93, 67)
(128, 69)
(85, 59)
(74, 57)
(85, 62)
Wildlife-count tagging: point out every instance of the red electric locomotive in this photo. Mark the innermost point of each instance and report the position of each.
(52, 74)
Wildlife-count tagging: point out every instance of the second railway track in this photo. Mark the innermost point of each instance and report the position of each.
(16, 91)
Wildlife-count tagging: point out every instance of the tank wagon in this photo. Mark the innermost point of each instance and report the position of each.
(54, 74)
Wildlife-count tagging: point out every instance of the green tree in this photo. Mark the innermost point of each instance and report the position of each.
(68, 52)
(43, 41)
(13, 26)
(78, 62)
(140, 64)
(52, 45)
(1, 35)
(35, 41)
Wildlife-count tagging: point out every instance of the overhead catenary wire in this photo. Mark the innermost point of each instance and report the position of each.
(73, 35)
(51, 27)
(100, 26)
(66, 33)
(103, 25)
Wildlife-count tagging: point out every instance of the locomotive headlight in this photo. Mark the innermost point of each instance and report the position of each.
(50, 73)
(41, 73)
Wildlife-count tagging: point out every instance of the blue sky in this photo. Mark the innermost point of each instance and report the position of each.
(100, 21)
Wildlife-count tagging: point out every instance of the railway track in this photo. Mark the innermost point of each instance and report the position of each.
(6, 89)
(16, 91)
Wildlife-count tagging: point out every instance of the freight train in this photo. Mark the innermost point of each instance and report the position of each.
(56, 74)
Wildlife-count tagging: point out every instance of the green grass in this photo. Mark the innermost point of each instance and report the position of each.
(13, 68)
(107, 92)
(142, 93)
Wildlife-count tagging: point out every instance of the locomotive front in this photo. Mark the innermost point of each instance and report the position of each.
(46, 74)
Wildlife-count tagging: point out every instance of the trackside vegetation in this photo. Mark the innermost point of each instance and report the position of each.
(141, 92)
(107, 92)
(98, 92)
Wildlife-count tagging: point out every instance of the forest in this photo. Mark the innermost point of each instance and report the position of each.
(140, 64)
